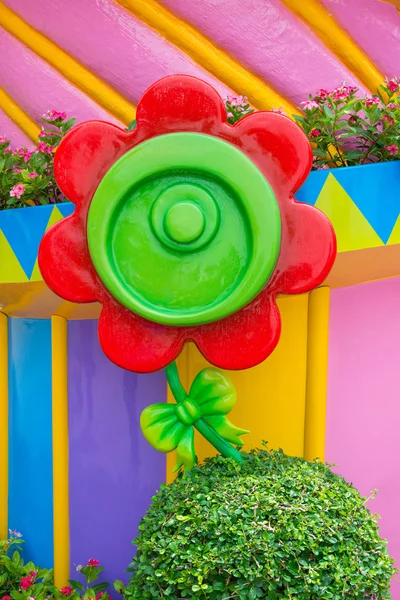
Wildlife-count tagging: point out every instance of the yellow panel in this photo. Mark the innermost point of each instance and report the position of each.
(210, 56)
(337, 40)
(10, 271)
(352, 229)
(395, 235)
(55, 216)
(270, 397)
(59, 343)
(317, 373)
(3, 427)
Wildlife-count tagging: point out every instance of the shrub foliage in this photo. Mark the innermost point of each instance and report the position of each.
(272, 527)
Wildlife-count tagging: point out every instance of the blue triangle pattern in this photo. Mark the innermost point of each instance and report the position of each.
(66, 208)
(374, 189)
(312, 187)
(24, 228)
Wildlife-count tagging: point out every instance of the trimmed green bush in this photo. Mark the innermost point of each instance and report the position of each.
(272, 527)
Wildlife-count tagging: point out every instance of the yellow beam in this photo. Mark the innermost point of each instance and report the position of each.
(75, 72)
(3, 426)
(59, 340)
(208, 55)
(315, 15)
(317, 373)
(20, 118)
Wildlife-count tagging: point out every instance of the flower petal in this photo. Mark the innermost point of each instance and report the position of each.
(134, 343)
(277, 146)
(308, 249)
(85, 155)
(180, 103)
(65, 263)
(244, 339)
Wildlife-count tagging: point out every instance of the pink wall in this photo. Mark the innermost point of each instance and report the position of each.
(363, 402)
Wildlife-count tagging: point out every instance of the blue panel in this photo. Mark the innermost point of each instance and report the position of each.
(24, 228)
(30, 437)
(66, 208)
(312, 187)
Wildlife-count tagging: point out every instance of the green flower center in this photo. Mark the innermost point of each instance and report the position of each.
(184, 229)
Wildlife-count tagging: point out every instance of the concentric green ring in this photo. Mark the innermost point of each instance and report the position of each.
(172, 270)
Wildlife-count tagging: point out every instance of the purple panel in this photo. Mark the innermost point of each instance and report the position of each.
(113, 471)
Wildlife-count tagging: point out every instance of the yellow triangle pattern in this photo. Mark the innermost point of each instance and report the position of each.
(11, 270)
(353, 231)
(54, 218)
(395, 235)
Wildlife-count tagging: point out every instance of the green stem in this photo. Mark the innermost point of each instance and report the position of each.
(202, 427)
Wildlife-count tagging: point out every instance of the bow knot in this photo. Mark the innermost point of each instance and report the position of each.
(188, 411)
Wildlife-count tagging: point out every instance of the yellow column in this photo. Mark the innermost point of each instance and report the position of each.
(317, 373)
(59, 337)
(3, 426)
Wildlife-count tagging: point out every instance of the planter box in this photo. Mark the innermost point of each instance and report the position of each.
(362, 203)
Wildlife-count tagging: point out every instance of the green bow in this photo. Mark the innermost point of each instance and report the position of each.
(170, 426)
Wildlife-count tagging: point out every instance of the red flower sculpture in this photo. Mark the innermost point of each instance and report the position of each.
(101, 253)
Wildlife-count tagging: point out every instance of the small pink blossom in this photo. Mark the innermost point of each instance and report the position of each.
(3, 140)
(93, 562)
(322, 94)
(43, 134)
(66, 591)
(32, 175)
(393, 84)
(17, 190)
(372, 101)
(393, 106)
(230, 115)
(279, 111)
(343, 92)
(45, 148)
(53, 115)
(6, 598)
(17, 170)
(388, 119)
(23, 153)
(7, 150)
(310, 105)
(315, 133)
(392, 149)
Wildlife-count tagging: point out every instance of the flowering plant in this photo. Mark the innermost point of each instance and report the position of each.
(20, 581)
(26, 176)
(344, 128)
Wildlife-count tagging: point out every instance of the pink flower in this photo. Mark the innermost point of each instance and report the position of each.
(6, 598)
(93, 563)
(279, 111)
(32, 175)
(45, 148)
(7, 150)
(26, 582)
(310, 105)
(17, 170)
(392, 149)
(32, 573)
(372, 101)
(53, 115)
(23, 153)
(43, 134)
(315, 133)
(17, 190)
(393, 106)
(393, 84)
(388, 119)
(343, 92)
(3, 139)
(229, 115)
(66, 591)
(322, 94)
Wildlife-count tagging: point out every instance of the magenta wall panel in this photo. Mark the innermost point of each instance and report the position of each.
(113, 471)
(363, 402)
